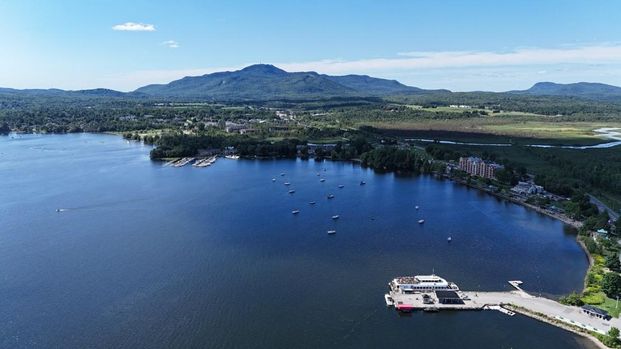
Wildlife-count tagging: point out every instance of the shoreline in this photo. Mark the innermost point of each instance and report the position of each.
(541, 317)
(562, 218)
(553, 322)
(591, 263)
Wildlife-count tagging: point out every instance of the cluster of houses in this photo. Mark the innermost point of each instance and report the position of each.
(233, 127)
(527, 189)
(285, 115)
(312, 147)
(284, 118)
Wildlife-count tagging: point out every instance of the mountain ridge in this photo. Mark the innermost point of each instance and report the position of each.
(591, 90)
(264, 81)
(267, 82)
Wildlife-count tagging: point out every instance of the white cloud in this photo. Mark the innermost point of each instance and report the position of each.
(593, 54)
(170, 44)
(134, 27)
(455, 70)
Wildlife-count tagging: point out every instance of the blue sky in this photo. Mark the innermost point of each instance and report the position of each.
(459, 45)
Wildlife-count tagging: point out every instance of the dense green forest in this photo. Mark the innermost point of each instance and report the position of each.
(561, 171)
(49, 113)
(391, 158)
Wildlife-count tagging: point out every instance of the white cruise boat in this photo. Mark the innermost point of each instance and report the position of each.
(421, 284)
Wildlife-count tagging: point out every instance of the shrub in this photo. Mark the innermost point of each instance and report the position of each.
(572, 299)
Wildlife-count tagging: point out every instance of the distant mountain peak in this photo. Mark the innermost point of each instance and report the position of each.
(591, 90)
(263, 69)
(267, 82)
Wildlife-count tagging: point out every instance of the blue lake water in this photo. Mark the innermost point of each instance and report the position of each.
(150, 256)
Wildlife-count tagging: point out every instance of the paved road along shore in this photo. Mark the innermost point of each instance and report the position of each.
(552, 309)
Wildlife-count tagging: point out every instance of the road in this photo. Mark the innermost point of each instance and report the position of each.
(550, 308)
(602, 207)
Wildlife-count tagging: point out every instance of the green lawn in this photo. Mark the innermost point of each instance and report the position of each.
(610, 305)
(593, 294)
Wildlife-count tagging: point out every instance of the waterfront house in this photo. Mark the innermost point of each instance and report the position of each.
(527, 188)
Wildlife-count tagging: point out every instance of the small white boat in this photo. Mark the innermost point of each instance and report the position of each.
(335, 217)
(330, 196)
(312, 203)
(341, 186)
(449, 239)
(389, 301)
(331, 232)
(291, 191)
(287, 183)
(363, 182)
(417, 207)
(322, 180)
(273, 179)
(295, 211)
(282, 174)
(421, 221)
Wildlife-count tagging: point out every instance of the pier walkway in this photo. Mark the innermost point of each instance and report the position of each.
(552, 309)
(533, 305)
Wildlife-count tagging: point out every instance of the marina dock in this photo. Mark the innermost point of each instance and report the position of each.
(183, 162)
(205, 162)
(439, 300)
(443, 296)
(196, 162)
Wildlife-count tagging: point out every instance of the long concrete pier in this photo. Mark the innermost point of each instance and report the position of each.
(518, 300)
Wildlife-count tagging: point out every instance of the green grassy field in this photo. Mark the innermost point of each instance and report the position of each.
(495, 129)
(480, 110)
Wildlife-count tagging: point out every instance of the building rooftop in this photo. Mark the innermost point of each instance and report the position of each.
(595, 310)
(447, 294)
